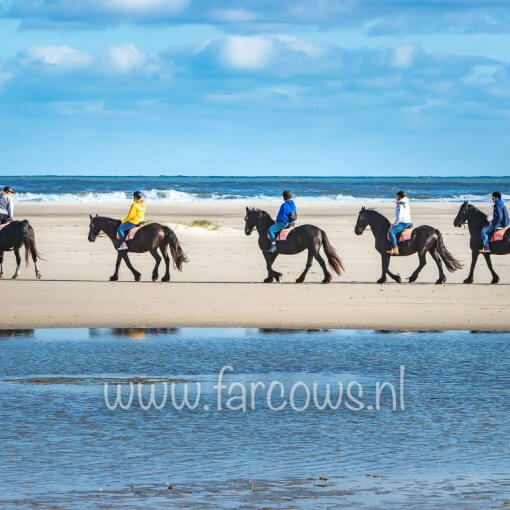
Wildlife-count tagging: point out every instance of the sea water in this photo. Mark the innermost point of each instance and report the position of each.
(437, 435)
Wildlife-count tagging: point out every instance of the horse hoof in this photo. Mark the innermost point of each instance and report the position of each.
(440, 281)
(1, 275)
(381, 280)
(165, 279)
(468, 280)
(327, 279)
(114, 278)
(154, 278)
(268, 280)
(300, 280)
(38, 275)
(398, 279)
(138, 277)
(494, 281)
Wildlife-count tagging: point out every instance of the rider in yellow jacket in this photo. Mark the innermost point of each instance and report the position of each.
(135, 216)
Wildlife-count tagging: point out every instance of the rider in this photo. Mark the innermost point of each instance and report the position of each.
(135, 216)
(286, 215)
(6, 205)
(402, 221)
(499, 221)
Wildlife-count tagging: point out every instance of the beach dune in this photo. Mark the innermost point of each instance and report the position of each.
(222, 283)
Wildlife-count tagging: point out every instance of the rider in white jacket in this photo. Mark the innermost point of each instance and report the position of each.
(402, 221)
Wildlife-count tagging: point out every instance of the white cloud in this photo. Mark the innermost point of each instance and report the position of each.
(233, 15)
(125, 58)
(429, 103)
(480, 75)
(145, 6)
(58, 56)
(403, 56)
(247, 52)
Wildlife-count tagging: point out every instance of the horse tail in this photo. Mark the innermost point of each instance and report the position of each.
(27, 234)
(175, 248)
(451, 263)
(334, 260)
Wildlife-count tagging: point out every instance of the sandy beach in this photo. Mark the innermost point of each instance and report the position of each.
(222, 283)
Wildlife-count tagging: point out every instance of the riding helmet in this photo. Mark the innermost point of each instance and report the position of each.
(287, 195)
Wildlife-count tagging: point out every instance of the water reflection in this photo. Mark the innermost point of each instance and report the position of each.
(10, 333)
(133, 333)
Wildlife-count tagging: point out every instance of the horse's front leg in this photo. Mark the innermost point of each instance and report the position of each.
(115, 276)
(1, 264)
(474, 258)
(136, 274)
(157, 258)
(18, 263)
(495, 277)
(386, 270)
(270, 257)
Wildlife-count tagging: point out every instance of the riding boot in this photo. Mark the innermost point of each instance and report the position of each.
(123, 247)
(485, 249)
(394, 251)
(273, 248)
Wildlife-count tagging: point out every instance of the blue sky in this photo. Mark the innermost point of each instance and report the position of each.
(255, 87)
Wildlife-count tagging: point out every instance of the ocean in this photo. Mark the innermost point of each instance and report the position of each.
(188, 189)
(439, 438)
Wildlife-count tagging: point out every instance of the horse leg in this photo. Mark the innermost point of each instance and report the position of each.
(320, 260)
(156, 256)
(474, 258)
(385, 262)
(136, 274)
(166, 257)
(437, 259)
(495, 277)
(393, 276)
(309, 259)
(423, 261)
(115, 276)
(1, 263)
(18, 263)
(37, 272)
(269, 262)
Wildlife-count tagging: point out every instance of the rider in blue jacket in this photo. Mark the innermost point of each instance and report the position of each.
(499, 221)
(286, 215)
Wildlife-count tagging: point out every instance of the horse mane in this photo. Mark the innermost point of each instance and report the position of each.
(263, 215)
(476, 211)
(374, 212)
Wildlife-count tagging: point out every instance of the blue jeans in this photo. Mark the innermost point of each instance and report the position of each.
(123, 230)
(485, 234)
(274, 229)
(397, 229)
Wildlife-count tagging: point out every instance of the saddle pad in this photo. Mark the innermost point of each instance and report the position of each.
(131, 233)
(499, 235)
(283, 234)
(404, 236)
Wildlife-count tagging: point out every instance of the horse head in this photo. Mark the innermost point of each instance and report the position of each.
(250, 221)
(362, 222)
(94, 228)
(462, 215)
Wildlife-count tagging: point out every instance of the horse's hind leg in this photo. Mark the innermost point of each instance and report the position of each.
(136, 274)
(495, 277)
(1, 263)
(320, 260)
(309, 259)
(474, 258)
(18, 263)
(166, 257)
(437, 258)
(156, 256)
(421, 265)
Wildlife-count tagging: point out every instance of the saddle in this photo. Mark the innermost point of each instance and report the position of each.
(4, 225)
(404, 236)
(499, 235)
(131, 233)
(283, 234)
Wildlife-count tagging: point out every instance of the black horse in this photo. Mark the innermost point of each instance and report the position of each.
(150, 237)
(477, 220)
(13, 236)
(304, 237)
(424, 239)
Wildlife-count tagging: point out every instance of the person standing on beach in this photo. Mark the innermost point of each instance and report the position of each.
(286, 215)
(6, 205)
(500, 220)
(402, 221)
(135, 216)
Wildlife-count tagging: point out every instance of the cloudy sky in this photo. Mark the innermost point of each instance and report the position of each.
(255, 87)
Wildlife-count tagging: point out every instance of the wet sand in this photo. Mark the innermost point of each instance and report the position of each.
(222, 283)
